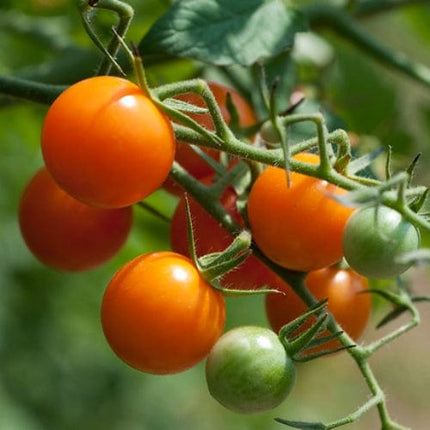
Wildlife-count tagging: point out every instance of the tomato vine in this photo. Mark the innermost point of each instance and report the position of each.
(336, 164)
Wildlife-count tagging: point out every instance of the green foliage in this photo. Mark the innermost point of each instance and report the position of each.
(56, 371)
(223, 32)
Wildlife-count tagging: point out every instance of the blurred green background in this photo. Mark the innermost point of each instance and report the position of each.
(56, 370)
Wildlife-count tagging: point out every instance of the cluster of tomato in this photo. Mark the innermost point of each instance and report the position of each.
(106, 146)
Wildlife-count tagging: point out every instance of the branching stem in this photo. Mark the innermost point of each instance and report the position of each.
(342, 23)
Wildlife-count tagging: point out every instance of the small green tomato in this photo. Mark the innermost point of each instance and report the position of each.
(374, 238)
(248, 370)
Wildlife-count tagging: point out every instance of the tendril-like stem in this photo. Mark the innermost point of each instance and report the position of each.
(125, 14)
(339, 21)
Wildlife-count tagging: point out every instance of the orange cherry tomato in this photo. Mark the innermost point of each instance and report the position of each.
(342, 288)
(65, 233)
(159, 315)
(106, 143)
(298, 227)
(185, 155)
(212, 237)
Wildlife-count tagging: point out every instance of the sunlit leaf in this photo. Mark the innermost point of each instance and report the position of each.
(222, 32)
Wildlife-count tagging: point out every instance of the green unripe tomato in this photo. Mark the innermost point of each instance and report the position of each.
(248, 370)
(268, 133)
(374, 238)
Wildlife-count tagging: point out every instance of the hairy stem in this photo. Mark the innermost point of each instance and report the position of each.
(29, 90)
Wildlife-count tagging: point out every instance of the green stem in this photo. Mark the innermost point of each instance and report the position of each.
(374, 346)
(125, 14)
(205, 197)
(359, 354)
(402, 300)
(341, 23)
(200, 87)
(275, 157)
(354, 416)
(30, 90)
(372, 7)
(154, 211)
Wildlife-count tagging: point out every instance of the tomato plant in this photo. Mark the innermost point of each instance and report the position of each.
(185, 155)
(298, 226)
(159, 315)
(375, 237)
(106, 143)
(249, 371)
(65, 233)
(212, 237)
(344, 290)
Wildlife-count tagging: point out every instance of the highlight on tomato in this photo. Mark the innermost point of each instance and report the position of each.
(348, 302)
(185, 155)
(159, 315)
(299, 226)
(249, 371)
(106, 143)
(375, 238)
(66, 234)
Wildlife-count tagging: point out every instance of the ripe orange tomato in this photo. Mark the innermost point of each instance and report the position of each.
(65, 233)
(159, 315)
(185, 155)
(212, 237)
(106, 143)
(342, 287)
(298, 227)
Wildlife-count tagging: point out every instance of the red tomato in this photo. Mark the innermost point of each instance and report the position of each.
(159, 315)
(66, 234)
(185, 155)
(342, 287)
(106, 143)
(298, 227)
(212, 237)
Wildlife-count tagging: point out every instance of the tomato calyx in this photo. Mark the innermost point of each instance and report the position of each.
(299, 347)
(214, 265)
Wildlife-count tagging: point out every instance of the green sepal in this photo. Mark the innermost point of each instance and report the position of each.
(419, 201)
(411, 168)
(363, 162)
(295, 345)
(242, 292)
(185, 106)
(214, 266)
(301, 424)
(308, 356)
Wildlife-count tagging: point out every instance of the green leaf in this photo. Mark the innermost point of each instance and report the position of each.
(224, 32)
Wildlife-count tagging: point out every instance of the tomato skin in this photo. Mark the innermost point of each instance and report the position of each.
(374, 238)
(106, 143)
(64, 233)
(248, 370)
(342, 287)
(185, 155)
(298, 227)
(210, 237)
(159, 315)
